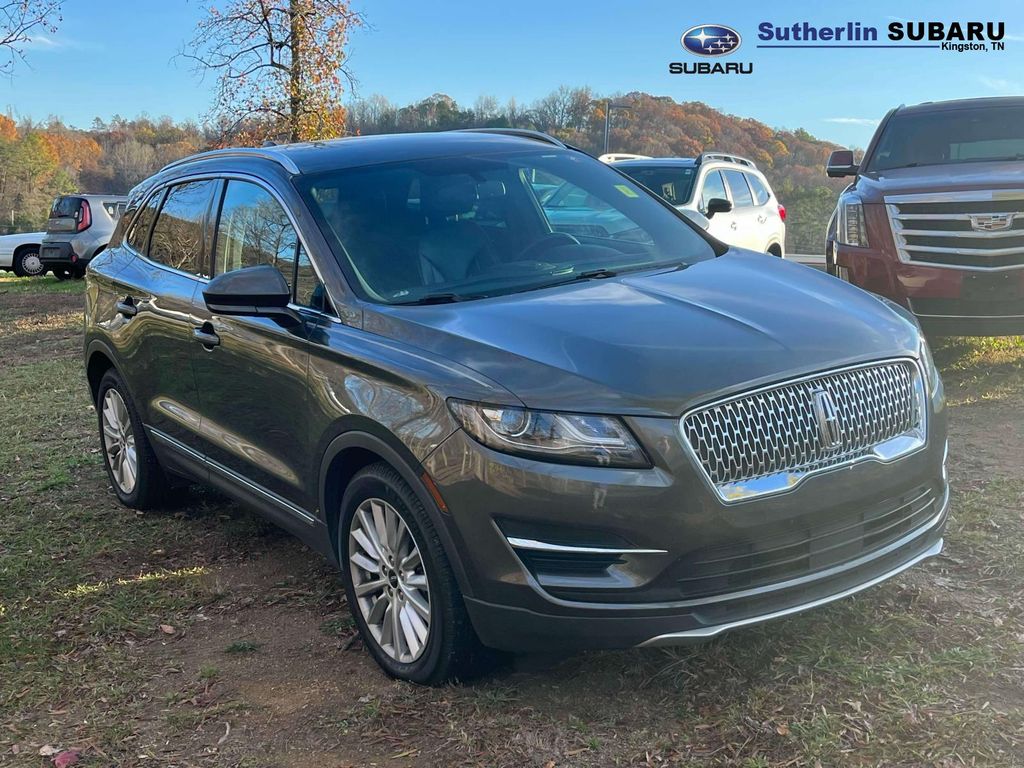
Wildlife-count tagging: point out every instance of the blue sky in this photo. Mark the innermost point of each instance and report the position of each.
(117, 56)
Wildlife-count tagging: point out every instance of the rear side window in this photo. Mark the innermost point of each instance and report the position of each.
(741, 197)
(760, 191)
(713, 187)
(179, 235)
(143, 223)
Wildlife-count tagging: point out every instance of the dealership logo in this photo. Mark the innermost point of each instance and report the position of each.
(828, 419)
(710, 40)
(992, 222)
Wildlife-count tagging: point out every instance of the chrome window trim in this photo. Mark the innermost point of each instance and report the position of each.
(896, 218)
(780, 483)
(238, 176)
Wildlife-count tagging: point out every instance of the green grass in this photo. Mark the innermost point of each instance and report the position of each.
(28, 285)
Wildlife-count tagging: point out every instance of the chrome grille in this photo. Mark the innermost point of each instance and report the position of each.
(767, 441)
(973, 230)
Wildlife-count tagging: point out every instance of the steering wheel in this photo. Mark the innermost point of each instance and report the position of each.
(546, 242)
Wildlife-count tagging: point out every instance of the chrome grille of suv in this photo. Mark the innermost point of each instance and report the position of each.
(974, 230)
(768, 440)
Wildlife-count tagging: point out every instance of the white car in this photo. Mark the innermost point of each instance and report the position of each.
(724, 194)
(20, 254)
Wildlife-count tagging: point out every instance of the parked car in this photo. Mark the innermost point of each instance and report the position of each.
(509, 437)
(20, 254)
(79, 227)
(746, 214)
(934, 217)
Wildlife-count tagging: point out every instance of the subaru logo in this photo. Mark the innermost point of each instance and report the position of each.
(828, 419)
(710, 40)
(991, 222)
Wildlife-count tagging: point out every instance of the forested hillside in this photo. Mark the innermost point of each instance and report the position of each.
(41, 160)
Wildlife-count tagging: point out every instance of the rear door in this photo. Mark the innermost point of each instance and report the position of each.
(153, 328)
(252, 379)
(747, 232)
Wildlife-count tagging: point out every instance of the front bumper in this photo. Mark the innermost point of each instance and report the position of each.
(946, 300)
(652, 557)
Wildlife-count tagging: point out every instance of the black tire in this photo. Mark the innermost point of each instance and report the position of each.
(78, 272)
(27, 264)
(62, 273)
(452, 651)
(151, 484)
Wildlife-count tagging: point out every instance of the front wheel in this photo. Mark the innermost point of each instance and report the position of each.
(400, 585)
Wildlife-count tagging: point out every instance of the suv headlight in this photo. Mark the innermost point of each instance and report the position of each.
(569, 438)
(850, 225)
(931, 371)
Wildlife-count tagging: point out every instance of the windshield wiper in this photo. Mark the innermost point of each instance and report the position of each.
(436, 298)
(595, 274)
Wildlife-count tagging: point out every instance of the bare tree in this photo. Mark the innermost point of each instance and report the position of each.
(279, 66)
(19, 19)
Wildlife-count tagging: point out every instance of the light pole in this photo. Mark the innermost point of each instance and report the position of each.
(608, 107)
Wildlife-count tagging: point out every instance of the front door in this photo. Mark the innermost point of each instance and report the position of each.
(722, 225)
(251, 371)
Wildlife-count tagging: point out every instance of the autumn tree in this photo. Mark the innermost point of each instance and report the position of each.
(279, 64)
(19, 20)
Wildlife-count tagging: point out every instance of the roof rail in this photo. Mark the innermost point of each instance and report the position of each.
(704, 157)
(265, 153)
(522, 133)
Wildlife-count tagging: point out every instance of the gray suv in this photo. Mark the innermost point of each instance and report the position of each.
(79, 227)
(506, 436)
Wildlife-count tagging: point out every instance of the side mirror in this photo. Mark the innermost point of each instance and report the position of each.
(717, 205)
(252, 292)
(840, 163)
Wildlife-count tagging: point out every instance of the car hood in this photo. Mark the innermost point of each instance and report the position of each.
(658, 343)
(940, 178)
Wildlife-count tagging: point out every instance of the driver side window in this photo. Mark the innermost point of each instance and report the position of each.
(713, 187)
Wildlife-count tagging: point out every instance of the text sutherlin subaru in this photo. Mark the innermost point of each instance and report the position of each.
(506, 436)
(934, 218)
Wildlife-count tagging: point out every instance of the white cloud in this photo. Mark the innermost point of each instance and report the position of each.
(42, 41)
(869, 121)
(1002, 85)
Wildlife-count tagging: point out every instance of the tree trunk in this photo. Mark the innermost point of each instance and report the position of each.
(298, 51)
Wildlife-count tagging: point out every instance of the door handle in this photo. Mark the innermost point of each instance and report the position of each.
(126, 307)
(206, 336)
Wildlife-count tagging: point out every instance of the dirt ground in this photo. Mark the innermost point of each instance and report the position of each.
(200, 635)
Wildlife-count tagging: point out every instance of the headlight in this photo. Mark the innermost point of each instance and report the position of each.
(569, 438)
(850, 226)
(931, 371)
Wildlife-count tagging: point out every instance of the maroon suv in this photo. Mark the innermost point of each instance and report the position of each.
(934, 218)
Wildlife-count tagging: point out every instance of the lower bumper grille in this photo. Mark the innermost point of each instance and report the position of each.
(795, 552)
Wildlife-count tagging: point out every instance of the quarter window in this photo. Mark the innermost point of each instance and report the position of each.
(741, 197)
(761, 193)
(713, 187)
(143, 222)
(179, 235)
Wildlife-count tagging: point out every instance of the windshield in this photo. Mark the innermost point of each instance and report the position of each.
(950, 136)
(457, 228)
(674, 183)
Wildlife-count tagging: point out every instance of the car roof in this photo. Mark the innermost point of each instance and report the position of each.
(658, 162)
(356, 151)
(957, 104)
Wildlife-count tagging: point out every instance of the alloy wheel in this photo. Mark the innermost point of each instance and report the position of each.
(389, 580)
(119, 441)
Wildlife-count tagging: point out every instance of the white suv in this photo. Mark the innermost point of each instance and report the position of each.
(725, 194)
